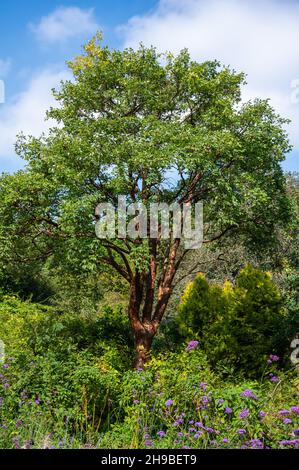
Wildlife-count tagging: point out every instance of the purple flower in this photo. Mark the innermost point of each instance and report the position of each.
(256, 444)
(292, 442)
(148, 443)
(199, 424)
(295, 409)
(296, 432)
(19, 423)
(249, 394)
(228, 410)
(136, 402)
(178, 422)
(169, 403)
(203, 385)
(273, 358)
(180, 434)
(244, 413)
(262, 414)
(161, 433)
(241, 431)
(192, 429)
(287, 421)
(274, 379)
(210, 430)
(225, 440)
(197, 435)
(284, 412)
(5, 366)
(37, 401)
(16, 442)
(191, 421)
(220, 401)
(192, 345)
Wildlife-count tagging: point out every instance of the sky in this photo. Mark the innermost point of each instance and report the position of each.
(258, 37)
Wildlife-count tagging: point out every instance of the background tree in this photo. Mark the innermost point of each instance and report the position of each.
(156, 128)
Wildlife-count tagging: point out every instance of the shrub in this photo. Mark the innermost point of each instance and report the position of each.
(236, 325)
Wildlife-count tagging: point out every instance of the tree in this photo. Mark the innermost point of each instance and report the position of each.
(156, 128)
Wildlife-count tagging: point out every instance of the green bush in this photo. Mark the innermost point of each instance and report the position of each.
(237, 325)
(67, 367)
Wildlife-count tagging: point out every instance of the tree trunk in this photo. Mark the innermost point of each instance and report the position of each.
(143, 343)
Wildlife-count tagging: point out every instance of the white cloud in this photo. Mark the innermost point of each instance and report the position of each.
(65, 23)
(4, 67)
(260, 38)
(27, 111)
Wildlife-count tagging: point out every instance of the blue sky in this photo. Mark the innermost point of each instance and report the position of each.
(260, 38)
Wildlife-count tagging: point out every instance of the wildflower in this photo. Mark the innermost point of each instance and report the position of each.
(256, 444)
(19, 423)
(192, 429)
(249, 394)
(136, 402)
(178, 422)
(5, 366)
(228, 410)
(169, 403)
(197, 435)
(244, 413)
(192, 345)
(191, 422)
(203, 385)
(161, 433)
(284, 412)
(210, 430)
(241, 431)
(180, 434)
(262, 414)
(148, 443)
(37, 401)
(199, 424)
(273, 358)
(16, 442)
(295, 409)
(220, 401)
(28, 444)
(296, 432)
(287, 421)
(274, 379)
(225, 440)
(291, 442)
